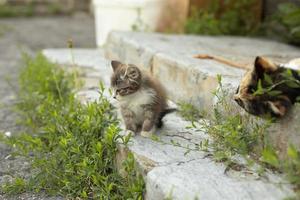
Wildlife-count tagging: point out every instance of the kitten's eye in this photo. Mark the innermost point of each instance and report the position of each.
(118, 81)
(133, 73)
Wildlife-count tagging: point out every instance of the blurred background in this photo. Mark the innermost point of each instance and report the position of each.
(87, 21)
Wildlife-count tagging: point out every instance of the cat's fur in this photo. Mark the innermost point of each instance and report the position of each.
(261, 105)
(142, 99)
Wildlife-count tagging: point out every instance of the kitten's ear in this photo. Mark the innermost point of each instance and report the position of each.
(263, 65)
(115, 64)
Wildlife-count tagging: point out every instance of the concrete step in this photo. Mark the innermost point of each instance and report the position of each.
(169, 170)
(170, 59)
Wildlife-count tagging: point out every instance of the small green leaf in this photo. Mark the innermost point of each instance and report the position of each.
(187, 152)
(219, 78)
(274, 93)
(292, 84)
(84, 194)
(155, 138)
(127, 138)
(259, 90)
(292, 152)
(270, 157)
(268, 79)
(99, 147)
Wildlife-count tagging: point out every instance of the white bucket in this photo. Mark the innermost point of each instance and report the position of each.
(125, 15)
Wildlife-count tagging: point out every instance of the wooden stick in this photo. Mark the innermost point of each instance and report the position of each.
(222, 60)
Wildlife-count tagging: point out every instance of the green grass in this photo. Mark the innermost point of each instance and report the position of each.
(190, 112)
(285, 23)
(236, 19)
(232, 133)
(72, 146)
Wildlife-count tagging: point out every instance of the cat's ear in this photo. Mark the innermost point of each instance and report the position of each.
(280, 106)
(277, 108)
(115, 64)
(262, 65)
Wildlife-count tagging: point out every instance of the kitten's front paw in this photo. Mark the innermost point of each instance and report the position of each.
(130, 132)
(131, 127)
(146, 134)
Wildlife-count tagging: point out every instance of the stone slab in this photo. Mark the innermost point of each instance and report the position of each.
(92, 58)
(91, 61)
(170, 58)
(204, 179)
(170, 171)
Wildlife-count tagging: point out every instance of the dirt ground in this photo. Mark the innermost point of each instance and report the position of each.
(31, 35)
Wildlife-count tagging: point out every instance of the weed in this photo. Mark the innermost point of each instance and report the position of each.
(73, 145)
(190, 112)
(139, 25)
(232, 134)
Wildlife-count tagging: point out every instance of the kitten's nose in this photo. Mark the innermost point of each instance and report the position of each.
(115, 95)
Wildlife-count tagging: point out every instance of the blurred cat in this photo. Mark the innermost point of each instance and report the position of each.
(283, 88)
(280, 85)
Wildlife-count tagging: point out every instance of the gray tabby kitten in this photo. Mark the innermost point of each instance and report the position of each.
(142, 99)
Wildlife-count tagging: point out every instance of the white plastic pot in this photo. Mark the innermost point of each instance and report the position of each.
(125, 15)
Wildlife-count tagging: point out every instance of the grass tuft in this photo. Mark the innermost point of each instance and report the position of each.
(72, 146)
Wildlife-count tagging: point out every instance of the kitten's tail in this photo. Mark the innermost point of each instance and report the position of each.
(159, 123)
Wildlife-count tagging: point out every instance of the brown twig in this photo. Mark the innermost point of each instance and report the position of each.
(222, 60)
